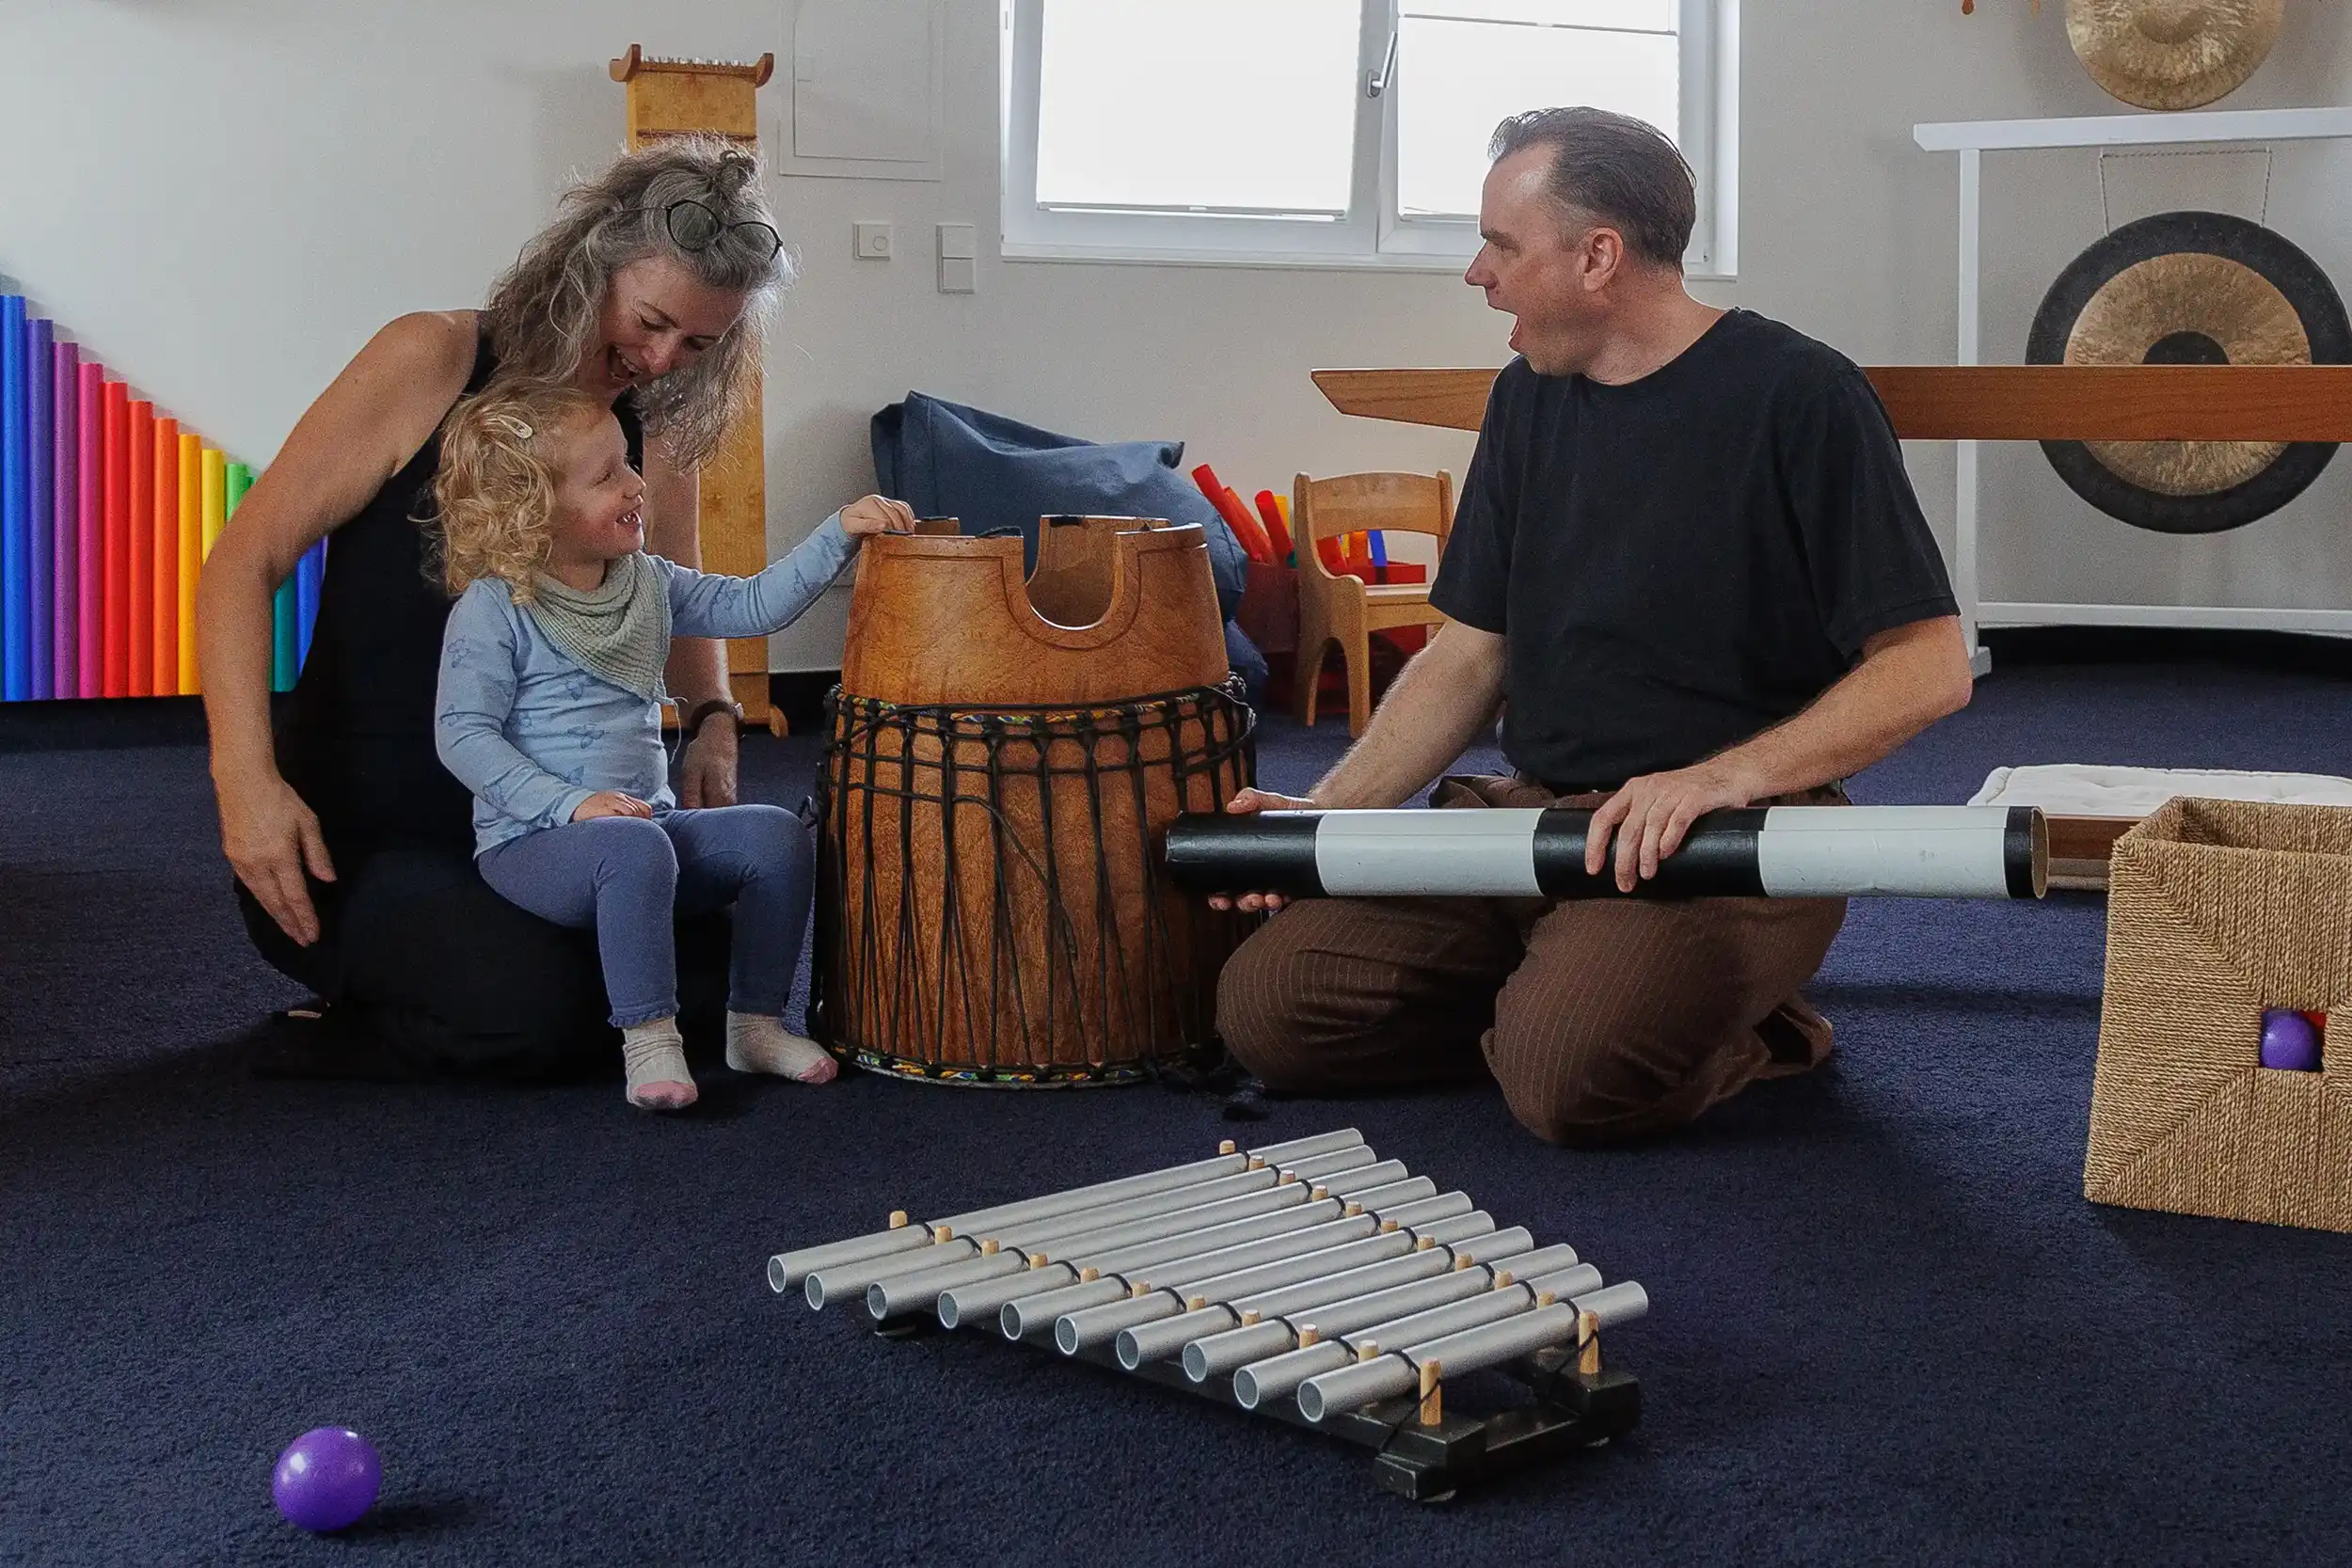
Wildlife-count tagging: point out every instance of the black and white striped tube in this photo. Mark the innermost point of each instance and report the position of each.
(1768, 852)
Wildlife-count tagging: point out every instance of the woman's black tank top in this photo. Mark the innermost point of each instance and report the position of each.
(358, 745)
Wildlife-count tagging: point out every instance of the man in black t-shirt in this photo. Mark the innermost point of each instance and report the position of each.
(1690, 570)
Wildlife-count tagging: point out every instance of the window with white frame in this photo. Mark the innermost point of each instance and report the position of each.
(1339, 132)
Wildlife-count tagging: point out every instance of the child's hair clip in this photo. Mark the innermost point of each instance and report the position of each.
(511, 425)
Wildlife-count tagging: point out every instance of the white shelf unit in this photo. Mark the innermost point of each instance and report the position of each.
(1972, 140)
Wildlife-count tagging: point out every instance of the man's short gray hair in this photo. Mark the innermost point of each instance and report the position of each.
(1623, 171)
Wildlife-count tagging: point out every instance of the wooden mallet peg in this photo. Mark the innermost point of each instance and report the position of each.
(1502, 1279)
(1288, 1179)
(1306, 1334)
(1368, 1350)
(1087, 1277)
(989, 1248)
(1229, 1147)
(1039, 1259)
(1387, 1227)
(1317, 1193)
(943, 1233)
(898, 1219)
(1248, 1317)
(1432, 1396)
(1257, 1163)
(1463, 1260)
(1138, 1289)
(1352, 1210)
(1588, 1336)
(1544, 1298)
(1423, 1244)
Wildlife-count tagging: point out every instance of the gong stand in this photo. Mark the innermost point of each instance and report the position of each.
(2152, 402)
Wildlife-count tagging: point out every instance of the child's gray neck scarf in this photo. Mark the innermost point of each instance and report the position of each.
(617, 631)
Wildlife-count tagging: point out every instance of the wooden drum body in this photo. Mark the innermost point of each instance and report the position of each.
(1004, 757)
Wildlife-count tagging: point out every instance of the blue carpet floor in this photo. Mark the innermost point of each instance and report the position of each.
(1887, 1327)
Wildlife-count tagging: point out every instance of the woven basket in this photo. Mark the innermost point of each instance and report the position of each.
(2218, 910)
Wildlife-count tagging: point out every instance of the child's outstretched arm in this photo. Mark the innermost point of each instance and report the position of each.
(705, 605)
(470, 710)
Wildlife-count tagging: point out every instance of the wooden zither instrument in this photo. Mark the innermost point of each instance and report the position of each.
(1310, 1281)
(1005, 753)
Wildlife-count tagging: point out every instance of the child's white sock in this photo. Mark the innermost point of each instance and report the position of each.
(760, 1043)
(654, 1054)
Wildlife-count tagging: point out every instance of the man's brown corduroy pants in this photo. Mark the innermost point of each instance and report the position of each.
(1601, 1019)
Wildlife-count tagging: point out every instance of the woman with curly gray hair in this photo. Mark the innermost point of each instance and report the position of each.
(350, 842)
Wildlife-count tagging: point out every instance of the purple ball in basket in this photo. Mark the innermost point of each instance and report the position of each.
(326, 1479)
(2290, 1042)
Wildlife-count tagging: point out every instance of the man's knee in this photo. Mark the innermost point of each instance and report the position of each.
(1600, 1075)
(1256, 1006)
(1571, 1108)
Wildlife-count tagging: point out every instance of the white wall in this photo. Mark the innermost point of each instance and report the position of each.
(224, 197)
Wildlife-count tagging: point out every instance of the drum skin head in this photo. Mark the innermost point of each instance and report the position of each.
(2198, 289)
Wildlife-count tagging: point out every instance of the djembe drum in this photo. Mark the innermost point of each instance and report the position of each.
(1004, 758)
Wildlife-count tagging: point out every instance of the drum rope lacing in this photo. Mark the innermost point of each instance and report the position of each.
(1193, 737)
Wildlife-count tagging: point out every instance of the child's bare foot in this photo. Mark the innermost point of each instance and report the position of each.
(654, 1055)
(758, 1043)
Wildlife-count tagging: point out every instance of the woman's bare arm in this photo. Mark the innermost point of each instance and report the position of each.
(362, 429)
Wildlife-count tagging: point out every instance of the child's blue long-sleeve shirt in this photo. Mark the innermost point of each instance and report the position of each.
(533, 735)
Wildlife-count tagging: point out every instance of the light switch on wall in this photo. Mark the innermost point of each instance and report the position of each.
(872, 240)
(959, 272)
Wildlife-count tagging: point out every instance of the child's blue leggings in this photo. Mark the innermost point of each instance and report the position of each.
(628, 877)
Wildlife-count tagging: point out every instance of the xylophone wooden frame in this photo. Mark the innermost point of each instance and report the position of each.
(1573, 1409)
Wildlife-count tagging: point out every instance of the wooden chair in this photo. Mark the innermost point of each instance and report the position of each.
(1346, 610)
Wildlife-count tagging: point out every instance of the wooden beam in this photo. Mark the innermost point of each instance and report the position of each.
(1982, 402)
(2118, 402)
(1456, 399)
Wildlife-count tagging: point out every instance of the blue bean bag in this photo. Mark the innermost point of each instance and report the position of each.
(948, 461)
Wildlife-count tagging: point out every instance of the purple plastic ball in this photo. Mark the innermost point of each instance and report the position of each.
(2289, 1041)
(326, 1479)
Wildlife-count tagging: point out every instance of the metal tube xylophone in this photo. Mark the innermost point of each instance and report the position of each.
(1309, 1268)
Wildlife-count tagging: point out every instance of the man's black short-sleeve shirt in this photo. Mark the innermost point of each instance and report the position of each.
(1684, 560)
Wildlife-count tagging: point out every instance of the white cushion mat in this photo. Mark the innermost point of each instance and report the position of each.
(2087, 789)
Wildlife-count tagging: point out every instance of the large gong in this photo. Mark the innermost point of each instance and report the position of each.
(2173, 54)
(2190, 289)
